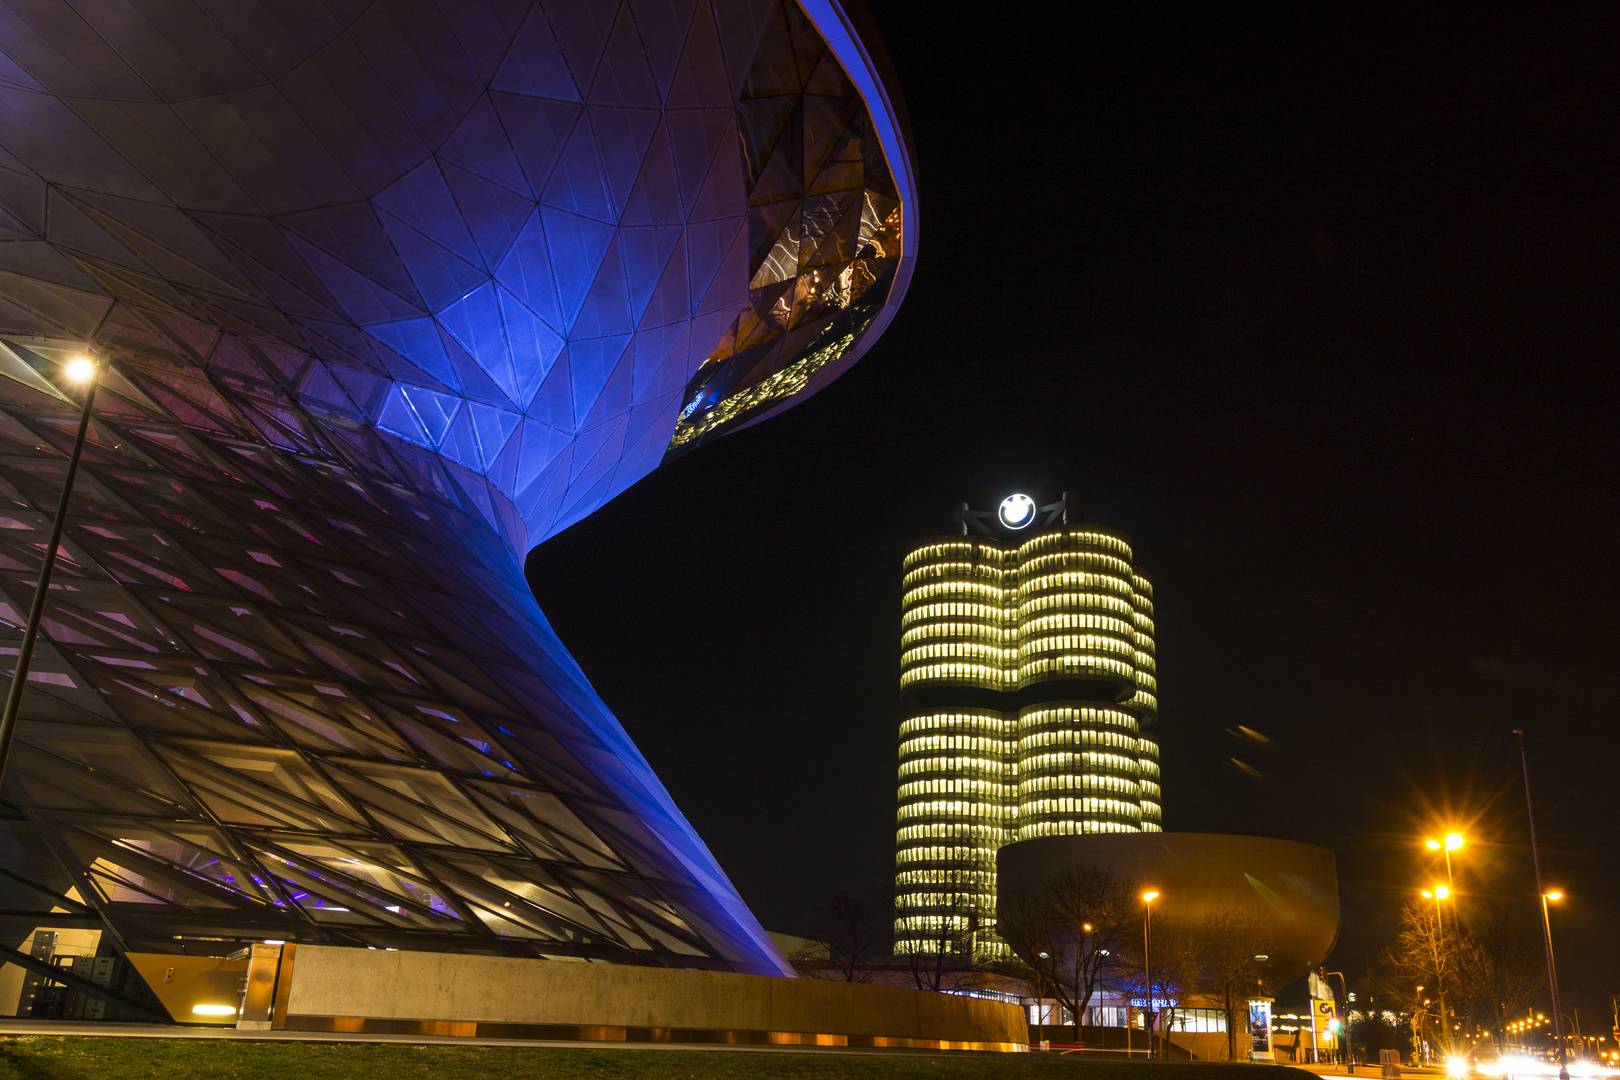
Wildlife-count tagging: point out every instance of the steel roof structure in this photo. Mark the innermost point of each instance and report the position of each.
(388, 292)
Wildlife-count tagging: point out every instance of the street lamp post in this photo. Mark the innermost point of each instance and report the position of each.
(1546, 923)
(1439, 893)
(1147, 962)
(1552, 978)
(1349, 1056)
(1452, 841)
(86, 371)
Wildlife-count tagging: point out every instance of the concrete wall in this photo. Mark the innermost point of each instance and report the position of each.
(326, 983)
(1209, 1045)
(182, 983)
(1105, 1043)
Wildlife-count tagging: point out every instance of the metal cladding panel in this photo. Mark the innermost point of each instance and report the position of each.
(390, 295)
(550, 242)
(294, 685)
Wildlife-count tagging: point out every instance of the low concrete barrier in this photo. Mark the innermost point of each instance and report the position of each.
(321, 988)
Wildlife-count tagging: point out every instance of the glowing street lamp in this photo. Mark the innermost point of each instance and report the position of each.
(1552, 975)
(83, 370)
(1147, 960)
(1452, 841)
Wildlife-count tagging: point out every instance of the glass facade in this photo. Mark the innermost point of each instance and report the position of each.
(552, 242)
(304, 693)
(384, 300)
(1189, 1021)
(824, 233)
(1027, 669)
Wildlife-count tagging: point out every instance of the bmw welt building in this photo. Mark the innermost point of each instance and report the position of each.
(382, 294)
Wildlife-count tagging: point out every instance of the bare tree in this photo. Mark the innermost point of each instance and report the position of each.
(1420, 970)
(1071, 933)
(853, 931)
(1178, 969)
(1499, 970)
(1022, 924)
(1233, 942)
(938, 941)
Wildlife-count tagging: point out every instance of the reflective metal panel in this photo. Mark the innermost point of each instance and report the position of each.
(388, 296)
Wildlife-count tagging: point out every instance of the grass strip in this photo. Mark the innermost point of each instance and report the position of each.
(41, 1057)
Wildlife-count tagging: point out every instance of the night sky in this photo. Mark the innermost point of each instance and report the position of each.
(1321, 309)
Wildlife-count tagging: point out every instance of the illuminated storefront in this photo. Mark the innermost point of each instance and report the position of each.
(1027, 670)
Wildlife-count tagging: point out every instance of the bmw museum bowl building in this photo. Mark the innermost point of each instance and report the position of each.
(383, 293)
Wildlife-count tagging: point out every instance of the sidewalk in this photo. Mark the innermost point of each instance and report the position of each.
(1365, 1071)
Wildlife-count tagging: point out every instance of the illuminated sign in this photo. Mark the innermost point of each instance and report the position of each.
(1327, 1023)
(1016, 511)
(1259, 1030)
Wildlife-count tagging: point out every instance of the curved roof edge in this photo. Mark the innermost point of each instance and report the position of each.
(852, 35)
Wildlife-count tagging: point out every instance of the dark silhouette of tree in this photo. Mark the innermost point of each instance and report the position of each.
(942, 940)
(855, 932)
(1179, 970)
(1500, 970)
(1234, 939)
(1420, 970)
(1027, 933)
(1489, 966)
(1070, 934)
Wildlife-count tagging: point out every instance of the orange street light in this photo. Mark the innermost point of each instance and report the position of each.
(1452, 841)
(1147, 960)
(1437, 894)
(81, 369)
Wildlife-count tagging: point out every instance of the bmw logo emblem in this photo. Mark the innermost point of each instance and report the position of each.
(1016, 511)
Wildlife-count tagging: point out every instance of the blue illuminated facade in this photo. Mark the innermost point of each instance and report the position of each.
(389, 294)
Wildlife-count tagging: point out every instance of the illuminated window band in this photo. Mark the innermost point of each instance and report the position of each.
(1064, 609)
